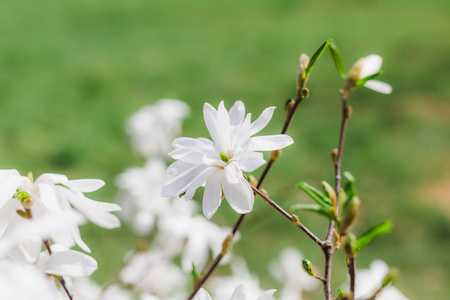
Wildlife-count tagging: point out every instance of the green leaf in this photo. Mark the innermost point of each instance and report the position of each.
(337, 59)
(349, 187)
(316, 195)
(365, 79)
(194, 273)
(316, 56)
(373, 233)
(313, 208)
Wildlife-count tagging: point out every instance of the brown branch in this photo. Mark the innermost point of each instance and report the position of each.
(351, 266)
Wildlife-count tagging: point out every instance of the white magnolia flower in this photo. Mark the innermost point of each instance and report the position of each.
(367, 66)
(153, 127)
(218, 164)
(368, 281)
(287, 270)
(240, 293)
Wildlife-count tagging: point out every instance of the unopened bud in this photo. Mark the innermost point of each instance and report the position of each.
(27, 203)
(265, 192)
(226, 245)
(308, 268)
(349, 214)
(301, 77)
(275, 154)
(334, 155)
(354, 74)
(391, 276)
(252, 180)
(348, 112)
(304, 93)
(349, 242)
(337, 239)
(296, 221)
(331, 194)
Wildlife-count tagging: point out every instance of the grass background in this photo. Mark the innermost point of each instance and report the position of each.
(72, 72)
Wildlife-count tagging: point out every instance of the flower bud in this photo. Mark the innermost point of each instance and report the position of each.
(308, 268)
(334, 155)
(226, 245)
(252, 180)
(301, 77)
(27, 203)
(295, 220)
(348, 112)
(331, 194)
(349, 242)
(349, 214)
(354, 74)
(275, 154)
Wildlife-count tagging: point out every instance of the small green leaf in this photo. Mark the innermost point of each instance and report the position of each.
(365, 79)
(316, 56)
(194, 273)
(349, 187)
(373, 233)
(316, 195)
(341, 293)
(337, 59)
(313, 208)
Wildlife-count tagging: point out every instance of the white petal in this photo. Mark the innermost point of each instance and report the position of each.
(269, 142)
(85, 185)
(179, 167)
(180, 183)
(233, 173)
(237, 113)
(70, 263)
(379, 86)
(267, 295)
(240, 293)
(250, 161)
(9, 185)
(223, 129)
(202, 295)
(48, 197)
(371, 65)
(239, 196)
(52, 178)
(262, 120)
(212, 194)
(77, 237)
(210, 116)
(196, 252)
(198, 182)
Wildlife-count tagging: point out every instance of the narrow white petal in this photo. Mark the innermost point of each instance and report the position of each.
(77, 237)
(9, 187)
(371, 65)
(223, 129)
(240, 293)
(202, 295)
(233, 173)
(198, 182)
(195, 252)
(180, 183)
(212, 195)
(262, 120)
(48, 197)
(379, 86)
(250, 161)
(85, 185)
(179, 167)
(267, 295)
(210, 116)
(190, 143)
(269, 142)
(70, 263)
(52, 178)
(237, 113)
(239, 196)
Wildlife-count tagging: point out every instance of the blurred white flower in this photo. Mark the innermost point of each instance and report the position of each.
(368, 66)
(240, 293)
(153, 127)
(368, 281)
(288, 271)
(218, 164)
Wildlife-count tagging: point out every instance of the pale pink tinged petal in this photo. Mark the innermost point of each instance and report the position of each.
(9, 188)
(180, 183)
(267, 295)
(233, 173)
(240, 293)
(262, 120)
(85, 185)
(371, 65)
(70, 263)
(269, 142)
(77, 237)
(198, 182)
(237, 113)
(378, 86)
(48, 197)
(223, 129)
(202, 295)
(210, 116)
(250, 161)
(212, 195)
(179, 167)
(239, 196)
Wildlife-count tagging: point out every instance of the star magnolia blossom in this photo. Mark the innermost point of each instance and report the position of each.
(218, 164)
(367, 66)
(240, 293)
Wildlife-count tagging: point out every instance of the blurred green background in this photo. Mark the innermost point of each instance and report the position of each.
(72, 72)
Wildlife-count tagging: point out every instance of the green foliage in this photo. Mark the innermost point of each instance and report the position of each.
(313, 208)
(316, 56)
(349, 186)
(373, 233)
(316, 195)
(337, 59)
(365, 79)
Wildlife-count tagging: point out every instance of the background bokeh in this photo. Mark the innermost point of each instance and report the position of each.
(72, 72)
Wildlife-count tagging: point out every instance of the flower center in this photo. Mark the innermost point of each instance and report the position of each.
(224, 157)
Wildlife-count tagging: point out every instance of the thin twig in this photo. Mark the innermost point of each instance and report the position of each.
(351, 265)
